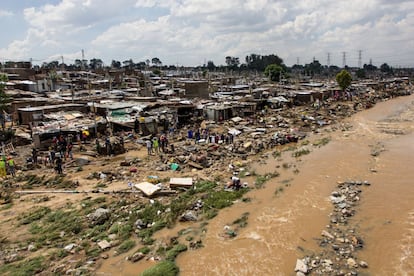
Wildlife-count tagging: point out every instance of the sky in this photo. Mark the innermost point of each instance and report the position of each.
(193, 32)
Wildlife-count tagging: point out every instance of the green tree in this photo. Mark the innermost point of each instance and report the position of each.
(4, 100)
(361, 73)
(273, 72)
(344, 79)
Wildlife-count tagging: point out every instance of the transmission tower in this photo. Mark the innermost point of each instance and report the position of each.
(328, 62)
(359, 58)
(344, 59)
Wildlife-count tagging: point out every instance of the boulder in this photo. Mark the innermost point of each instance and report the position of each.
(301, 266)
(188, 216)
(104, 245)
(99, 216)
(136, 257)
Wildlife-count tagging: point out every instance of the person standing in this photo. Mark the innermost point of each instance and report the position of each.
(34, 156)
(3, 172)
(155, 144)
(59, 168)
(149, 147)
(11, 165)
(69, 150)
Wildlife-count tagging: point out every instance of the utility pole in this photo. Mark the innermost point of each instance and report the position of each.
(328, 61)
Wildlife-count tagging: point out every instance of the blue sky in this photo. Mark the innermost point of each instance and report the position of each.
(191, 32)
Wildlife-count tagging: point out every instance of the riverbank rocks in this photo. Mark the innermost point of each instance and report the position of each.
(340, 241)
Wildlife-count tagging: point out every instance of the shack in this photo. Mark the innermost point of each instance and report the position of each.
(28, 115)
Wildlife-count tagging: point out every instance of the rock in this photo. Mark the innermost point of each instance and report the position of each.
(300, 273)
(301, 266)
(82, 160)
(105, 256)
(125, 163)
(136, 257)
(31, 247)
(188, 216)
(104, 244)
(112, 237)
(69, 247)
(327, 235)
(99, 216)
(140, 224)
(351, 263)
(363, 264)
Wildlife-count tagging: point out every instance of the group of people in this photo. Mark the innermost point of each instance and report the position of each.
(158, 144)
(7, 165)
(63, 145)
(205, 134)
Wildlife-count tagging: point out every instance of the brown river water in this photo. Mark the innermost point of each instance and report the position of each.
(290, 211)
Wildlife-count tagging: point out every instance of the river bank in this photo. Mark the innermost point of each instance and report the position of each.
(280, 227)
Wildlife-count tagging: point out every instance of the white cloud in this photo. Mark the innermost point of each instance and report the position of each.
(4, 13)
(189, 31)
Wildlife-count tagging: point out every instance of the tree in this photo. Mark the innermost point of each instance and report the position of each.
(156, 61)
(273, 72)
(128, 63)
(385, 68)
(344, 79)
(232, 62)
(4, 100)
(259, 62)
(95, 63)
(361, 73)
(210, 65)
(116, 64)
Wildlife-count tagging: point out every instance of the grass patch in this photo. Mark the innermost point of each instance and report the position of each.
(33, 215)
(305, 143)
(24, 268)
(125, 246)
(164, 268)
(261, 179)
(6, 206)
(173, 252)
(321, 142)
(242, 221)
(300, 152)
(209, 214)
(276, 154)
(122, 230)
(222, 199)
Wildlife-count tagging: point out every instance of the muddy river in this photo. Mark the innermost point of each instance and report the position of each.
(291, 210)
